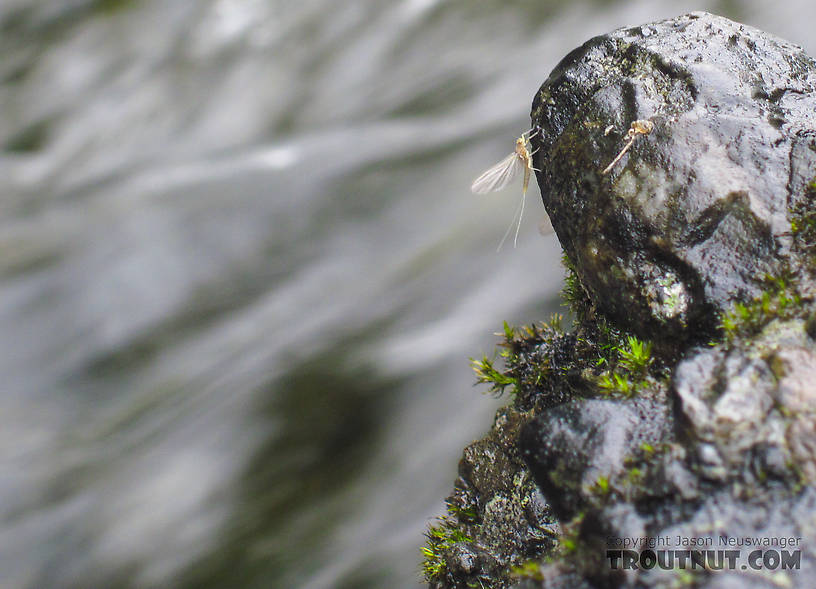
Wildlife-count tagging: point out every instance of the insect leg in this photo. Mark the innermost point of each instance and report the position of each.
(618, 157)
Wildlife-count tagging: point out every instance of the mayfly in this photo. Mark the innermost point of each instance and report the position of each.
(499, 176)
(638, 127)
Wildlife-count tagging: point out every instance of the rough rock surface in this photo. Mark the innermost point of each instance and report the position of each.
(697, 211)
(681, 407)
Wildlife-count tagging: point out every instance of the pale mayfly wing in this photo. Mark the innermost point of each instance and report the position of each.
(498, 176)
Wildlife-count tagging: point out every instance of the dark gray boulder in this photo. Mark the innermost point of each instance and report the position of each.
(696, 213)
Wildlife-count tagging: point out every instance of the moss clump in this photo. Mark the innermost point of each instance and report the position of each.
(530, 569)
(781, 300)
(486, 373)
(568, 542)
(513, 347)
(685, 578)
(573, 293)
(545, 365)
(636, 356)
(616, 383)
(601, 486)
(629, 373)
(441, 537)
(534, 357)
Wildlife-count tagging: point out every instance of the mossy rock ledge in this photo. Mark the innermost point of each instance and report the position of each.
(679, 410)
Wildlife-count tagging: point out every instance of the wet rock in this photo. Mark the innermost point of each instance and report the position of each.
(697, 211)
(695, 231)
(463, 560)
(750, 409)
(738, 469)
(572, 447)
(497, 516)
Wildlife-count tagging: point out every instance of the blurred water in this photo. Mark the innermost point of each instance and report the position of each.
(242, 274)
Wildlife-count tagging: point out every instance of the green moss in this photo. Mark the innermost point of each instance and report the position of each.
(486, 373)
(601, 487)
(569, 539)
(636, 355)
(441, 537)
(466, 514)
(634, 475)
(613, 382)
(618, 363)
(523, 367)
(568, 545)
(780, 301)
(573, 293)
(543, 363)
(683, 578)
(608, 341)
(530, 569)
(629, 363)
(647, 449)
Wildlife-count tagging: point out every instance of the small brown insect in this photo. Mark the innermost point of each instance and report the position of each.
(638, 127)
(500, 175)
